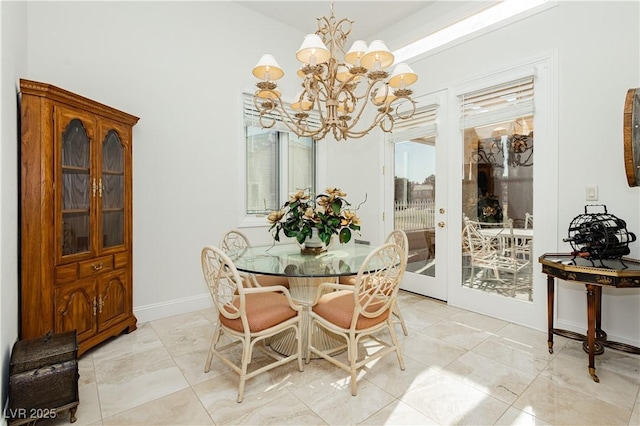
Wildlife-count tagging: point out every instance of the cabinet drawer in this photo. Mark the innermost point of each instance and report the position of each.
(66, 273)
(95, 266)
(120, 260)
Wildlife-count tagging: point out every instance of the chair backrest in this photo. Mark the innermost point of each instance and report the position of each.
(223, 281)
(399, 237)
(481, 246)
(234, 240)
(378, 280)
(528, 221)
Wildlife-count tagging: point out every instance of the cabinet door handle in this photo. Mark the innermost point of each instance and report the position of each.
(95, 305)
(94, 187)
(96, 267)
(100, 304)
(100, 188)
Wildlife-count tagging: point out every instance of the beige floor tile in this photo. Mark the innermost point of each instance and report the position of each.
(522, 357)
(449, 401)
(531, 337)
(461, 368)
(180, 408)
(333, 402)
(613, 387)
(513, 416)
(386, 374)
(219, 396)
(88, 411)
(116, 397)
(398, 413)
(635, 415)
(287, 410)
(560, 405)
(622, 363)
(460, 334)
(429, 350)
(479, 321)
(496, 379)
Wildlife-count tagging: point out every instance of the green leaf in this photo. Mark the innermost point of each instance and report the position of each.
(345, 235)
(336, 206)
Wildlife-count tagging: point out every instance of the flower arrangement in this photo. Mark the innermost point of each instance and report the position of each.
(328, 213)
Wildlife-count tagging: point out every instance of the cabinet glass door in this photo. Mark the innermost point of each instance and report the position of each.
(76, 189)
(112, 190)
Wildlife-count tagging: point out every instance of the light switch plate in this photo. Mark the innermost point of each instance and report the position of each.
(591, 193)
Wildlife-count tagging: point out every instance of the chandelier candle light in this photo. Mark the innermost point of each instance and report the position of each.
(336, 85)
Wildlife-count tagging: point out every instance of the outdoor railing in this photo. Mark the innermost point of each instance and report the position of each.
(418, 214)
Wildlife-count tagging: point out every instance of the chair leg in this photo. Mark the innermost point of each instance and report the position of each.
(300, 366)
(398, 314)
(214, 341)
(246, 358)
(394, 339)
(353, 357)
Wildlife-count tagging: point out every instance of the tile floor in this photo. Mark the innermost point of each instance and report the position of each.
(461, 368)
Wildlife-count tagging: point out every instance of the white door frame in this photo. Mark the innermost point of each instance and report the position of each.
(435, 287)
(545, 192)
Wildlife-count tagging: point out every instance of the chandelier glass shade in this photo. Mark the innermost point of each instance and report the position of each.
(338, 86)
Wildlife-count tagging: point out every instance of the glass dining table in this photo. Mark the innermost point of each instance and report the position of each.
(305, 272)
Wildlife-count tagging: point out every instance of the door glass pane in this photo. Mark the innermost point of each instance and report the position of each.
(414, 196)
(497, 202)
(76, 193)
(112, 191)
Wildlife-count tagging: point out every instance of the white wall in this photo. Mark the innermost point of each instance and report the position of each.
(181, 66)
(13, 19)
(598, 46)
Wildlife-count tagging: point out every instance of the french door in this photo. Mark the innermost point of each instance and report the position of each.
(416, 196)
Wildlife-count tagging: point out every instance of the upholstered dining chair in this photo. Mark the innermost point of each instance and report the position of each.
(398, 237)
(235, 240)
(360, 311)
(247, 316)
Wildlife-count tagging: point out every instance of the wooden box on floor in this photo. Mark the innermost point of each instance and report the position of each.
(43, 379)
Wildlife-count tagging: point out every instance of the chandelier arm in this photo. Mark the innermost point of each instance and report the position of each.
(333, 88)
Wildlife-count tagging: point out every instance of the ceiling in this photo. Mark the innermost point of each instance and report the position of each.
(369, 16)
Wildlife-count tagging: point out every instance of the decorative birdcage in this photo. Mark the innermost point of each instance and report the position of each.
(599, 236)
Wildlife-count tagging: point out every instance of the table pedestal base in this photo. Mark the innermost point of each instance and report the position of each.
(303, 291)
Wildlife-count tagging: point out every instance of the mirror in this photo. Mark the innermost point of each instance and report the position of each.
(631, 133)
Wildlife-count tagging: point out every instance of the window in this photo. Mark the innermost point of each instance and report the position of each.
(278, 163)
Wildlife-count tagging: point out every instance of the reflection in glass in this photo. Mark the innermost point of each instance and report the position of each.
(112, 190)
(76, 189)
(498, 193)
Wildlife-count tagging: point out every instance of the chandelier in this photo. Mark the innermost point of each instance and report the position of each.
(337, 86)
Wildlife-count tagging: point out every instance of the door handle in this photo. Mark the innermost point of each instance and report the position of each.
(441, 224)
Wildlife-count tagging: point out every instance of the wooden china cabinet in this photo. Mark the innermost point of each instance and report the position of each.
(75, 216)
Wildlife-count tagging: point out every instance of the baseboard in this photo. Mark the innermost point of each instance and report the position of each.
(581, 329)
(172, 308)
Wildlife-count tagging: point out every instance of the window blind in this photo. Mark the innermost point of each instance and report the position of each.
(424, 123)
(252, 116)
(497, 104)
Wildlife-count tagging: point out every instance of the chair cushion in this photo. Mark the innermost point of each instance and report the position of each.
(264, 310)
(337, 308)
